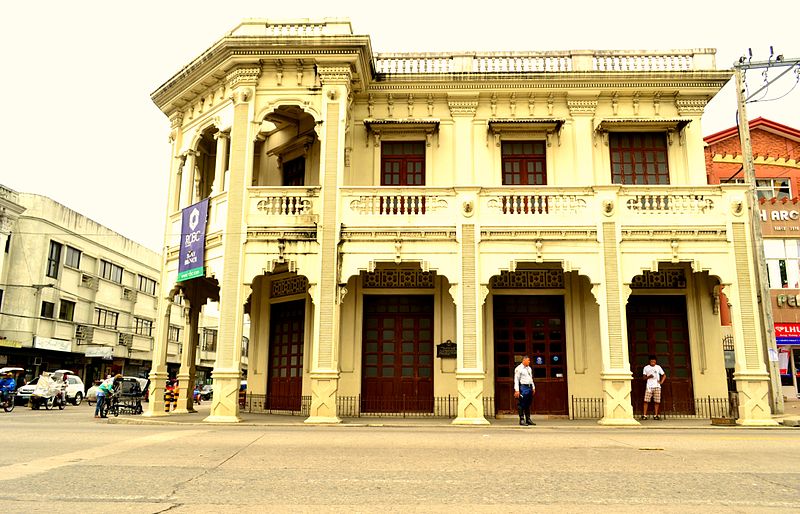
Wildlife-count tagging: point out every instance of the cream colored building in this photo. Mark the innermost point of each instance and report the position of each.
(370, 211)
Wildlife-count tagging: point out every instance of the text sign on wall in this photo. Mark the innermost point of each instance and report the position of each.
(787, 333)
(191, 259)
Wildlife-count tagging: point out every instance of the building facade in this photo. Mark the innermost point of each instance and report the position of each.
(403, 228)
(776, 150)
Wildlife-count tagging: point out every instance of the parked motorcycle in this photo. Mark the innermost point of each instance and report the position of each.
(49, 393)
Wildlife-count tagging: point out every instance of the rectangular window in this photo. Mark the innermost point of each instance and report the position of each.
(53, 259)
(66, 310)
(105, 318)
(72, 258)
(147, 285)
(47, 309)
(768, 188)
(174, 335)
(524, 163)
(639, 158)
(210, 340)
(111, 272)
(294, 172)
(783, 263)
(403, 163)
(143, 327)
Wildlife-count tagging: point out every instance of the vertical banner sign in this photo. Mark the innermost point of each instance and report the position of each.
(193, 241)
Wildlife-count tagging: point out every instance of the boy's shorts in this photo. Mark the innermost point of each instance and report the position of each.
(652, 393)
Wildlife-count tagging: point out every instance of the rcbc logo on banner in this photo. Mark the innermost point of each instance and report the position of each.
(191, 258)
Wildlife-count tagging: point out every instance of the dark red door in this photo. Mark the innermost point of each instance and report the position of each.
(657, 326)
(397, 371)
(287, 323)
(534, 326)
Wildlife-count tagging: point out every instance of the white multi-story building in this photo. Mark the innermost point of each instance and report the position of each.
(403, 228)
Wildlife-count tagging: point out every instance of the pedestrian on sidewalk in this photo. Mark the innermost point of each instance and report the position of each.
(655, 377)
(524, 390)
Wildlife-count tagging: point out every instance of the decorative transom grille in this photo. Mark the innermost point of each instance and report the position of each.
(529, 279)
(666, 279)
(289, 286)
(408, 278)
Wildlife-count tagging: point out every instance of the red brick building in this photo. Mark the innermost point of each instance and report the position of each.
(776, 152)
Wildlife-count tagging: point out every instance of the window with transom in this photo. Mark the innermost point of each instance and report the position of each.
(524, 163)
(403, 163)
(639, 158)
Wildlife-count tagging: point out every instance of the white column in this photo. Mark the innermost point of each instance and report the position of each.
(220, 163)
(186, 374)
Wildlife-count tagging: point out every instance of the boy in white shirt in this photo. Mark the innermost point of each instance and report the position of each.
(655, 377)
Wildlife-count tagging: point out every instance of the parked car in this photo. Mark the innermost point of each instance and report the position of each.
(91, 393)
(75, 386)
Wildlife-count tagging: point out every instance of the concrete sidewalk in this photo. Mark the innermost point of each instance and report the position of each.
(792, 416)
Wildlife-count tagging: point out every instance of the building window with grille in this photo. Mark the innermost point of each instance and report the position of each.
(111, 272)
(105, 318)
(639, 158)
(174, 334)
(209, 340)
(66, 310)
(147, 285)
(783, 263)
(47, 309)
(53, 259)
(524, 163)
(769, 188)
(72, 258)
(143, 327)
(403, 163)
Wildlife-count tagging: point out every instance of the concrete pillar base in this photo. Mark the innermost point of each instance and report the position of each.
(184, 411)
(222, 419)
(618, 422)
(756, 422)
(322, 420)
(469, 421)
(158, 385)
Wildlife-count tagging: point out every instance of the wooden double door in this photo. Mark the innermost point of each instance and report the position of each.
(533, 326)
(286, 341)
(657, 325)
(397, 355)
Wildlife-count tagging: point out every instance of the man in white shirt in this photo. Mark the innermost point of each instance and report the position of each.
(655, 377)
(524, 390)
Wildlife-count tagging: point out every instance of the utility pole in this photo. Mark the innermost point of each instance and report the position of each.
(767, 325)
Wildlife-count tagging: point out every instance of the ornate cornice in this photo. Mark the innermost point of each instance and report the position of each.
(462, 105)
(244, 75)
(690, 106)
(335, 74)
(581, 107)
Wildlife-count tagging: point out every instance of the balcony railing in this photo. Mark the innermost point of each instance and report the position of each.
(397, 206)
(281, 206)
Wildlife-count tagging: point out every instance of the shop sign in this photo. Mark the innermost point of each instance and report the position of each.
(788, 300)
(57, 345)
(787, 333)
(104, 352)
(10, 344)
(191, 258)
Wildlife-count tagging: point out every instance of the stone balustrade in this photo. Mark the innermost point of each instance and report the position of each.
(392, 206)
(281, 206)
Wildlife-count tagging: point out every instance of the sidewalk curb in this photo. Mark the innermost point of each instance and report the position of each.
(346, 424)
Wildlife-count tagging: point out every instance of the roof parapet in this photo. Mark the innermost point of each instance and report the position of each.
(301, 27)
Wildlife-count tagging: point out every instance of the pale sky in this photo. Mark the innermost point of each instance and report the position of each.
(81, 129)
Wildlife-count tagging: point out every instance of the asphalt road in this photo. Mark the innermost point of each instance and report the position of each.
(66, 461)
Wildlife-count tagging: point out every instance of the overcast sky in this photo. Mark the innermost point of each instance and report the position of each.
(80, 127)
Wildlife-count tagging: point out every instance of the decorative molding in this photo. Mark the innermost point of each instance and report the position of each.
(529, 279)
(398, 278)
(461, 106)
(288, 286)
(245, 75)
(674, 234)
(662, 279)
(402, 235)
(581, 107)
(690, 106)
(555, 234)
(330, 74)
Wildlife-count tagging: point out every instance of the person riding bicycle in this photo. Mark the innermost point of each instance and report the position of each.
(7, 385)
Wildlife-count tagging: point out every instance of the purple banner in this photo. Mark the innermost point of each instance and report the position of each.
(191, 260)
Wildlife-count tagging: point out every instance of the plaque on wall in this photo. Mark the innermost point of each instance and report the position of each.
(447, 350)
